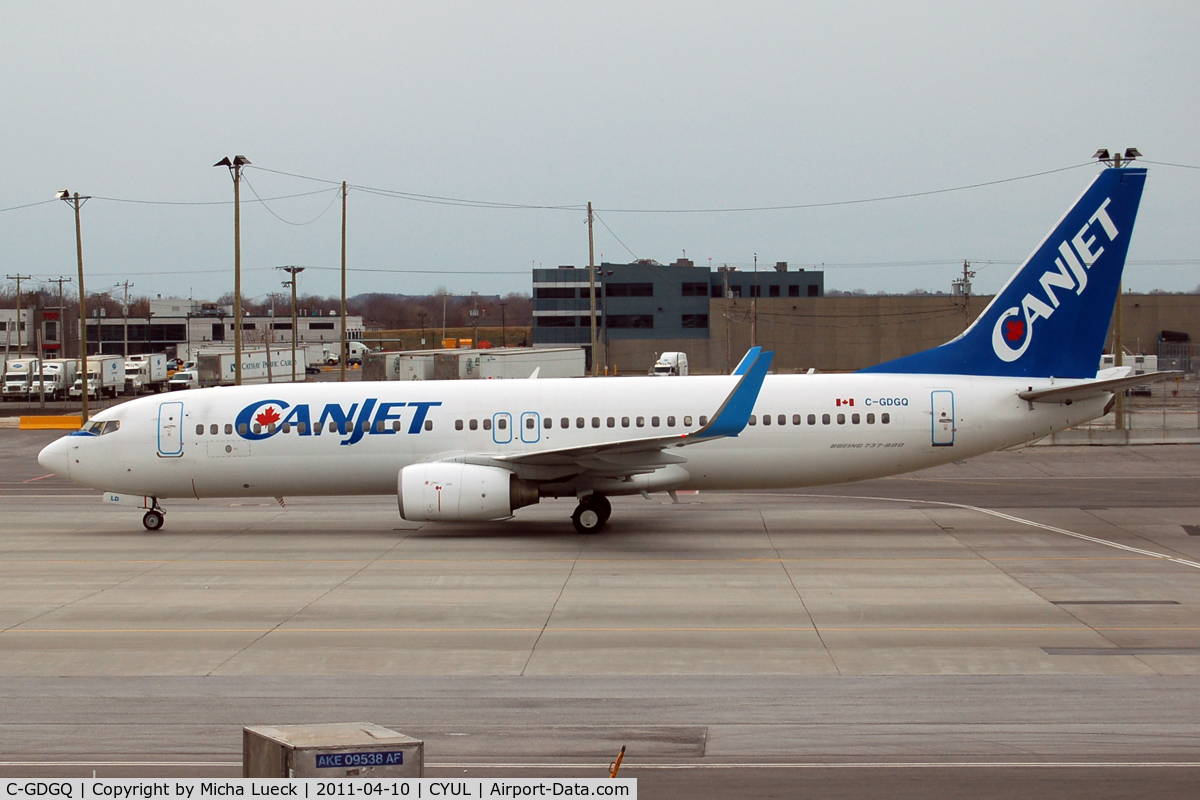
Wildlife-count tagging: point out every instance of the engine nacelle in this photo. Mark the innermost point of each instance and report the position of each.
(448, 491)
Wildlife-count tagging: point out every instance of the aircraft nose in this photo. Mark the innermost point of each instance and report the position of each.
(54, 457)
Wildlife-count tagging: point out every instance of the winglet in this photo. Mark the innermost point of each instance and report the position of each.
(747, 361)
(734, 414)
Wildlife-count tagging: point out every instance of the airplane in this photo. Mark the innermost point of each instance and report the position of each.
(480, 450)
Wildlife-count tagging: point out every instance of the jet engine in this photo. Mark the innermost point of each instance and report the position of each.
(448, 491)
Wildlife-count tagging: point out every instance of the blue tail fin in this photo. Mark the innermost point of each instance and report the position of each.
(1052, 317)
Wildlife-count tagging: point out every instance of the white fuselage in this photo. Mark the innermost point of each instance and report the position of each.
(823, 429)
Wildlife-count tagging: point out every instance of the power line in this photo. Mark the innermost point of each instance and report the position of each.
(1168, 164)
(831, 204)
(289, 222)
(618, 238)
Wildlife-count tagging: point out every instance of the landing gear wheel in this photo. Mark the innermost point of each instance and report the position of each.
(602, 506)
(153, 520)
(587, 518)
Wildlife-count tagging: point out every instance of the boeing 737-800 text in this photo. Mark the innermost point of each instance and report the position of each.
(479, 450)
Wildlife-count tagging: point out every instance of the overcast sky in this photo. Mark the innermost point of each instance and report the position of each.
(629, 105)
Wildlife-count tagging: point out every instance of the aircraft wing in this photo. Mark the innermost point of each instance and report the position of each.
(631, 456)
(1086, 391)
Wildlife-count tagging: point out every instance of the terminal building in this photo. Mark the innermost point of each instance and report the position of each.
(646, 300)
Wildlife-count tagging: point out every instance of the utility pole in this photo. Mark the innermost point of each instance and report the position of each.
(77, 201)
(267, 338)
(503, 328)
(422, 315)
(125, 315)
(293, 271)
(475, 324)
(62, 313)
(345, 353)
(592, 290)
(1116, 160)
(18, 278)
(962, 287)
(754, 306)
(728, 317)
(235, 171)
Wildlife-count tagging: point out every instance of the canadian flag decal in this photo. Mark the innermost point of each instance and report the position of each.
(849, 402)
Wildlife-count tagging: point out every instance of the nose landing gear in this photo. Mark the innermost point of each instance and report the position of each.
(591, 513)
(154, 519)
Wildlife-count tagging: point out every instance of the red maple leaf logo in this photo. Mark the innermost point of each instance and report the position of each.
(267, 417)
(1014, 329)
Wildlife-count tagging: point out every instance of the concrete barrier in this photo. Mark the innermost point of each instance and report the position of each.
(48, 423)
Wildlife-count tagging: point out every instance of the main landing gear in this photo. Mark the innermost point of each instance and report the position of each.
(591, 513)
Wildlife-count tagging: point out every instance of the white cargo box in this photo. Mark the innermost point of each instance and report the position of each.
(330, 750)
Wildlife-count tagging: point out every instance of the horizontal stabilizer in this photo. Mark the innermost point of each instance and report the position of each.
(1086, 391)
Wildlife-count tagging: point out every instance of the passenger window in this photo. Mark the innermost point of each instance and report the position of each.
(796, 419)
(257, 428)
(687, 421)
(782, 419)
(487, 424)
(870, 419)
(287, 427)
(301, 428)
(228, 428)
(654, 422)
(611, 422)
(624, 422)
(854, 418)
(396, 425)
(703, 420)
(595, 422)
(428, 424)
(458, 426)
(885, 418)
(766, 419)
(366, 425)
(242, 429)
(564, 423)
(547, 423)
(214, 429)
(670, 422)
(812, 419)
(271, 428)
(334, 427)
(824, 419)
(199, 430)
(841, 419)
(753, 420)
(379, 426)
(474, 424)
(641, 422)
(502, 423)
(579, 422)
(530, 422)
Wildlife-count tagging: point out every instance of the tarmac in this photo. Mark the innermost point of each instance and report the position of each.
(1024, 624)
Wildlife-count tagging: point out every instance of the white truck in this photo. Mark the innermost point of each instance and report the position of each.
(106, 376)
(671, 363)
(18, 376)
(217, 368)
(146, 373)
(56, 378)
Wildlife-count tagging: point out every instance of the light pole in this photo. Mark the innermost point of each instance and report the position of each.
(76, 201)
(504, 328)
(293, 271)
(235, 172)
(422, 315)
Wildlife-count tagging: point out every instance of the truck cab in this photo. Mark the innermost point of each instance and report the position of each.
(670, 364)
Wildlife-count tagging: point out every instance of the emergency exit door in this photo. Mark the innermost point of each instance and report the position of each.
(943, 418)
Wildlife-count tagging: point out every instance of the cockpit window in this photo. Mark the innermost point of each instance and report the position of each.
(101, 427)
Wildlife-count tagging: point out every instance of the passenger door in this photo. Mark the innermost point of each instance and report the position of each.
(170, 430)
(943, 418)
